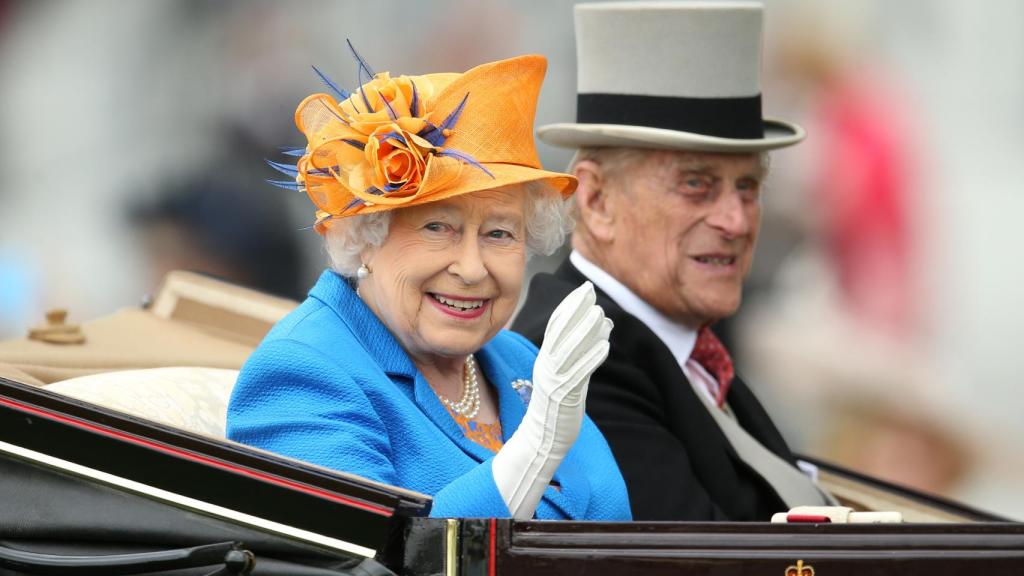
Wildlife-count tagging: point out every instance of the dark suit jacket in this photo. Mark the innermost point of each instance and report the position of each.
(677, 463)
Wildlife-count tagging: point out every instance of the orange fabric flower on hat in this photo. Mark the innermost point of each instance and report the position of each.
(377, 144)
(394, 159)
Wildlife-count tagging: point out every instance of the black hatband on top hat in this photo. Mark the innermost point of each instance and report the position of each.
(738, 118)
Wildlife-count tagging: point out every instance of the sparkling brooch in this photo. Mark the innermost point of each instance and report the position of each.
(524, 388)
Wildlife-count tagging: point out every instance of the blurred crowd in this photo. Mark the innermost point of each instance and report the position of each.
(882, 311)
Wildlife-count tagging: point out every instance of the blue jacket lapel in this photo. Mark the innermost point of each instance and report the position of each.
(375, 338)
(428, 402)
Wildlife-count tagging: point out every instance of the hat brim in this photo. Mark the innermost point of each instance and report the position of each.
(777, 134)
(475, 180)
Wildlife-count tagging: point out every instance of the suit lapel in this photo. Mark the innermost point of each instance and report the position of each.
(752, 416)
(687, 418)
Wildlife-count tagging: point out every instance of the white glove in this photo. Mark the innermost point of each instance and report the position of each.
(575, 344)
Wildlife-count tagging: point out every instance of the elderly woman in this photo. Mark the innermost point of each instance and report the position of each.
(397, 368)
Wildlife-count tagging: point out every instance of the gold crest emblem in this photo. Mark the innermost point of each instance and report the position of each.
(799, 569)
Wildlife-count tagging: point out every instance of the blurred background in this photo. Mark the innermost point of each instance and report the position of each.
(881, 318)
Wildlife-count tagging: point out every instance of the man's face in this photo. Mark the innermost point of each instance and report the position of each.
(685, 229)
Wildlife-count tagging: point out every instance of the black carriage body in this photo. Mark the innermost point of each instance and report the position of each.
(81, 480)
(80, 484)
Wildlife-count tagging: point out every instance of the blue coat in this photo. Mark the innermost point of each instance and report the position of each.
(332, 386)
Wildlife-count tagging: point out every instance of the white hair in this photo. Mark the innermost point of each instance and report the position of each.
(346, 239)
(547, 225)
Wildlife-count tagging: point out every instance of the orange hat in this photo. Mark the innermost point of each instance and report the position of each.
(413, 139)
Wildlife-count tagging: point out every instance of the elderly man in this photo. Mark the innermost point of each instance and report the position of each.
(672, 154)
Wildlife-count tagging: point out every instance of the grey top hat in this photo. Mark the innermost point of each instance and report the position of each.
(676, 75)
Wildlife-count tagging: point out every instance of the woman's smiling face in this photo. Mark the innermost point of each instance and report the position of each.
(448, 276)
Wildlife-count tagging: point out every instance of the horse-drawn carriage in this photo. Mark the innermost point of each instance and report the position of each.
(113, 461)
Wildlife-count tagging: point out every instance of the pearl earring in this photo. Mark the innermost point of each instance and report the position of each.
(362, 272)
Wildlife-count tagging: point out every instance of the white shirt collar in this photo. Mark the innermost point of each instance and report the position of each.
(679, 339)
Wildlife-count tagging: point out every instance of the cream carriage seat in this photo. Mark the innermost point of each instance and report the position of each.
(173, 362)
(192, 398)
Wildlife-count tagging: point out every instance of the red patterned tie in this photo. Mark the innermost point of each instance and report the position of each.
(710, 353)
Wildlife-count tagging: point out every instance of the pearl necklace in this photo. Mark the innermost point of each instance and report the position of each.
(469, 404)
